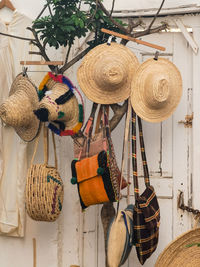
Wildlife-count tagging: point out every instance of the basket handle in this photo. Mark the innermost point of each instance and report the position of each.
(45, 146)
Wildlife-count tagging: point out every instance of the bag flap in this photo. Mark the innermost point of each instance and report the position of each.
(89, 167)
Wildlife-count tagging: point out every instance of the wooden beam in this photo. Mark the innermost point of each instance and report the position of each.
(55, 63)
(126, 37)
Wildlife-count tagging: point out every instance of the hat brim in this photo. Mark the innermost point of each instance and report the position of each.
(138, 100)
(29, 132)
(86, 72)
(180, 252)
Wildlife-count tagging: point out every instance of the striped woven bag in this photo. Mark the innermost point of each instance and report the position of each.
(146, 214)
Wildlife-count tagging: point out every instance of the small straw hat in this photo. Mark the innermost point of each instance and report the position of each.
(182, 252)
(70, 108)
(106, 72)
(17, 110)
(61, 104)
(156, 89)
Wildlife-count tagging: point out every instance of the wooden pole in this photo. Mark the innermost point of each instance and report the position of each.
(126, 37)
(55, 63)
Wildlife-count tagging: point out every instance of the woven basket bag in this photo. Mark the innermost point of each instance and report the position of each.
(44, 187)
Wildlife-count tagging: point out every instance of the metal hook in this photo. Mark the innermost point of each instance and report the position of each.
(109, 40)
(24, 71)
(55, 71)
(180, 200)
(156, 55)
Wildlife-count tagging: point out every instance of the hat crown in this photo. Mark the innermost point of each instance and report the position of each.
(110, 75)
(49, 103)
(157, 90)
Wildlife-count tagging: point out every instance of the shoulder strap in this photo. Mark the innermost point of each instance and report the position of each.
(143, 154)
(45, 146)
(134, 156)
(125, 143)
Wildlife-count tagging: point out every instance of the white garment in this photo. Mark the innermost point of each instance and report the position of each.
(13, 151)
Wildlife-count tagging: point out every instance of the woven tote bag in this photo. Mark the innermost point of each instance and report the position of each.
(44, 186)
(96, 142)
(146, 214)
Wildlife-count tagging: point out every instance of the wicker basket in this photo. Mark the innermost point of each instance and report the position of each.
(44, 187)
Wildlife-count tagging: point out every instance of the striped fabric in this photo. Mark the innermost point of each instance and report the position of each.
(146, 215)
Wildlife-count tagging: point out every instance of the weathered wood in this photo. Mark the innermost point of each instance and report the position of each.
(126, 37)
(54, 63)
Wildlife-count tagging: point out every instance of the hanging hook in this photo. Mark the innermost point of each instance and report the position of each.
(55, 71)
(156, 55)
(109, 40)
(24, 71)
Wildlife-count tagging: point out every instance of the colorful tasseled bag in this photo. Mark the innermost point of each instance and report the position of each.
(44, 186)
(93, 177)
(96, 142)
(146, 214)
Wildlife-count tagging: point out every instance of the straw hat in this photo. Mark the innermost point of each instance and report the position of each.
(180, 253)
(156, 89)
(59, 105)
(69, 108)
(17, 110)
(106, 72)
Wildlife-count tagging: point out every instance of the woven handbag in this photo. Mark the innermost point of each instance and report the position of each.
(93, 180)
(146, 214)
(95, 142)
(44, 186)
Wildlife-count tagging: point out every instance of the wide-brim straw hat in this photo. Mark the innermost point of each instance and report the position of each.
(156, 89)
(106, 72)
(17, 110)
(182, 252)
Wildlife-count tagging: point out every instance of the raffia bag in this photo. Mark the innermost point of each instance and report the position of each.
(44, 187)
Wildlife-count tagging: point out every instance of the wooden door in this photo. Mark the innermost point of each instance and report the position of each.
(168, 149)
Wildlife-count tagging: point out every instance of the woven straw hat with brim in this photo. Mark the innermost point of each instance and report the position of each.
(106, 72)
(182, 252)
(60, 105)
(156, 90)
(17, 110)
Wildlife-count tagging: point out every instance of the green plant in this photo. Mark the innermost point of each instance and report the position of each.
(70, 19)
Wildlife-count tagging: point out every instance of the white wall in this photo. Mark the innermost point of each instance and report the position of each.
(57, 243)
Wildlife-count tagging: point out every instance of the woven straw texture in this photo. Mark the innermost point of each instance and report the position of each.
(120, 238)
(44, 188)
(106, 72)
(178, 254)
(156, 90)
(17, 110)
(69, 108)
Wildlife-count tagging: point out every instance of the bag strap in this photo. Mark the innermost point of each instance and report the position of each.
(87, 130)
(45, 146)
(90, 122)
(134, 155)
(125, 143)
(143, 154)
(99, 117)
